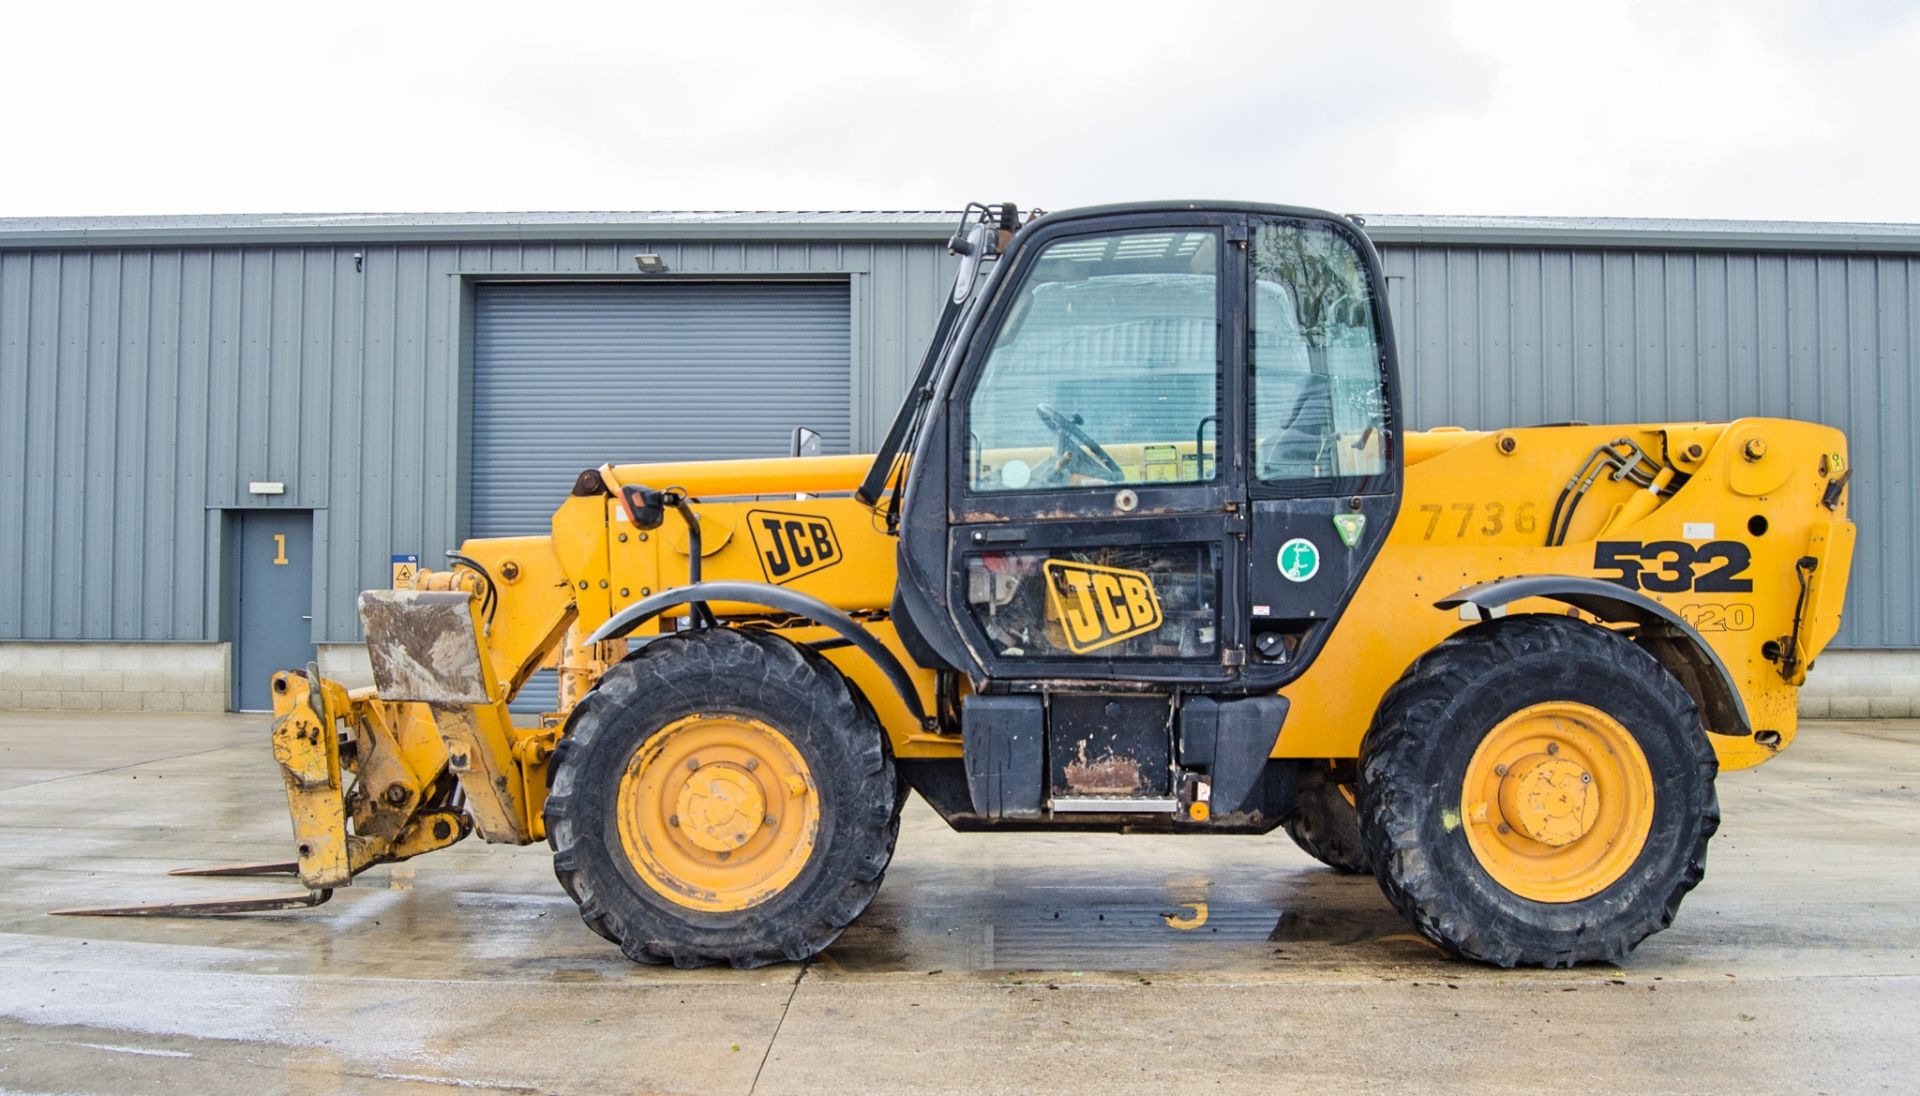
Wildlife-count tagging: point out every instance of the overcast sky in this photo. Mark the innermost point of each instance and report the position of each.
(1728, 108)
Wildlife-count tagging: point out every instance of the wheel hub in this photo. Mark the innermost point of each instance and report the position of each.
(1549, 799)
(717, 812)
(1557, 801)
(720, 807)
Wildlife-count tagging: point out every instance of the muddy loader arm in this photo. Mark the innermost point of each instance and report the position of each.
(430, 753)
(431, 749)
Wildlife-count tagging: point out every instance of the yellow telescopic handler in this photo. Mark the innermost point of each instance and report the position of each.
(1149, 547)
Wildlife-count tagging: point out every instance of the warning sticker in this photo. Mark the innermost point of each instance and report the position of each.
(1298, 560)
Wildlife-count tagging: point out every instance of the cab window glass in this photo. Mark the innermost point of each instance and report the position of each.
(1105, 369)
(1319, 411)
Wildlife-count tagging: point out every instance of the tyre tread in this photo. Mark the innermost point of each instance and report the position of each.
(1391, 817)
(870, 826)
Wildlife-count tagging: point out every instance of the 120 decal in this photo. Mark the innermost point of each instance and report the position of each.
(1674, 566)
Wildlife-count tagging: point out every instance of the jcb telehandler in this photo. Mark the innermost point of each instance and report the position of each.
(1149, 547)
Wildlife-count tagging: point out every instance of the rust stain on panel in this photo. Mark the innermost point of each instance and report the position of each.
(1109, 774)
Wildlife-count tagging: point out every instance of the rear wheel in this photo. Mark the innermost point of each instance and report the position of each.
(1325, 823)
(722, 796)
(1537, 791)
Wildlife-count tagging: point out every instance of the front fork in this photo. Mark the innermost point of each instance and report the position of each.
(402, 802)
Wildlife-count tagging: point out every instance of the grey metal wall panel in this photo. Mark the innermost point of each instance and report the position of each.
(165, 376)
(571, 376)
(142, 389)
(1499, 336)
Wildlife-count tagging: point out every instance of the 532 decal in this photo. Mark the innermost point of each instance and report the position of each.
(1674, 566)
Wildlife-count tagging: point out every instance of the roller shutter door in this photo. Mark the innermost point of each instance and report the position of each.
(567, 377)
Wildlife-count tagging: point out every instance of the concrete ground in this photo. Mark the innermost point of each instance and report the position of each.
(989, 963)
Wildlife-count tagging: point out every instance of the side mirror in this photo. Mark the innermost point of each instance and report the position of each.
(972, 249)
(806, 443)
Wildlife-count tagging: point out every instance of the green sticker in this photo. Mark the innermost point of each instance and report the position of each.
(1349, 527)
(1299, 560)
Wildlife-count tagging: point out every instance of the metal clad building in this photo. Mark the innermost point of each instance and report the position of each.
(1514, 321)
(154, 371)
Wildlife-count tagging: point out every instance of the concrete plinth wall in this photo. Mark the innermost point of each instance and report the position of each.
(1863, 685)
(196, 677)
(115, 677)
(346, 663)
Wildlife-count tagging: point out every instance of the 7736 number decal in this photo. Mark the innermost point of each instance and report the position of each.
(1670, 566)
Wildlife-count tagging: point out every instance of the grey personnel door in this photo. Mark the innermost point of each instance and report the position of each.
(273, 610)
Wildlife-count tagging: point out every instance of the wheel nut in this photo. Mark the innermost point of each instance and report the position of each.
(752, 763)
(673, 820)
(1586, 778)
(1499, 770)
(771, 821)
(723, 854)
(693, 764)
(1504, 828)
(1553, 747)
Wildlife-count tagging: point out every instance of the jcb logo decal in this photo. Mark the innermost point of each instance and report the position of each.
(792, 545)
(1100, 606)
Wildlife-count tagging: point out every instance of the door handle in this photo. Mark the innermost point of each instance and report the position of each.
(999, 536)
(309, 616)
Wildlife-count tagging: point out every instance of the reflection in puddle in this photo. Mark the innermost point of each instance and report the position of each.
(1187, 922)
(1075, 919)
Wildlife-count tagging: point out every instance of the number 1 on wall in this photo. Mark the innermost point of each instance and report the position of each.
(279, 549)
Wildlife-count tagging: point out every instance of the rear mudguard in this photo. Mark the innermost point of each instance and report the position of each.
(1664, 634)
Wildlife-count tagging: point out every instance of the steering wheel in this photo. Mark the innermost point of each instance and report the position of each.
(1087, 457)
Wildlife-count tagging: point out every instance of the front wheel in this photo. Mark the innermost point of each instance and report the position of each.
(1537, 791)
(722, 796)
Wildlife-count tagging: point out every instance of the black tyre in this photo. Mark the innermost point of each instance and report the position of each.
(1325, 823)
(722, 796)
(1537, 791)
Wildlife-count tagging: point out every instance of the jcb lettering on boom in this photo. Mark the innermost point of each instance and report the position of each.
(792, 545)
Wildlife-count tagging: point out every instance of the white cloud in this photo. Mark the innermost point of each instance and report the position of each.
(1703, 109)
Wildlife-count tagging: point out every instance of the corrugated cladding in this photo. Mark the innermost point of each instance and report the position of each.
(143, 387)
(678, 371)
(1501, 336)
(142, 390)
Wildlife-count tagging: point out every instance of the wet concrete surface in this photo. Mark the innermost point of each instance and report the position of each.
(989, 963)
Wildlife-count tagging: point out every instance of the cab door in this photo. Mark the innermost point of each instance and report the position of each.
(1322, 447)
(1097, 497)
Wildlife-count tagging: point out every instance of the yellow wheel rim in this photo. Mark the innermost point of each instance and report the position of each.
(1557, 802)
(717, 812)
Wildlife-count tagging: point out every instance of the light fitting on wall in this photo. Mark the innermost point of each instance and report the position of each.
(650, 264)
